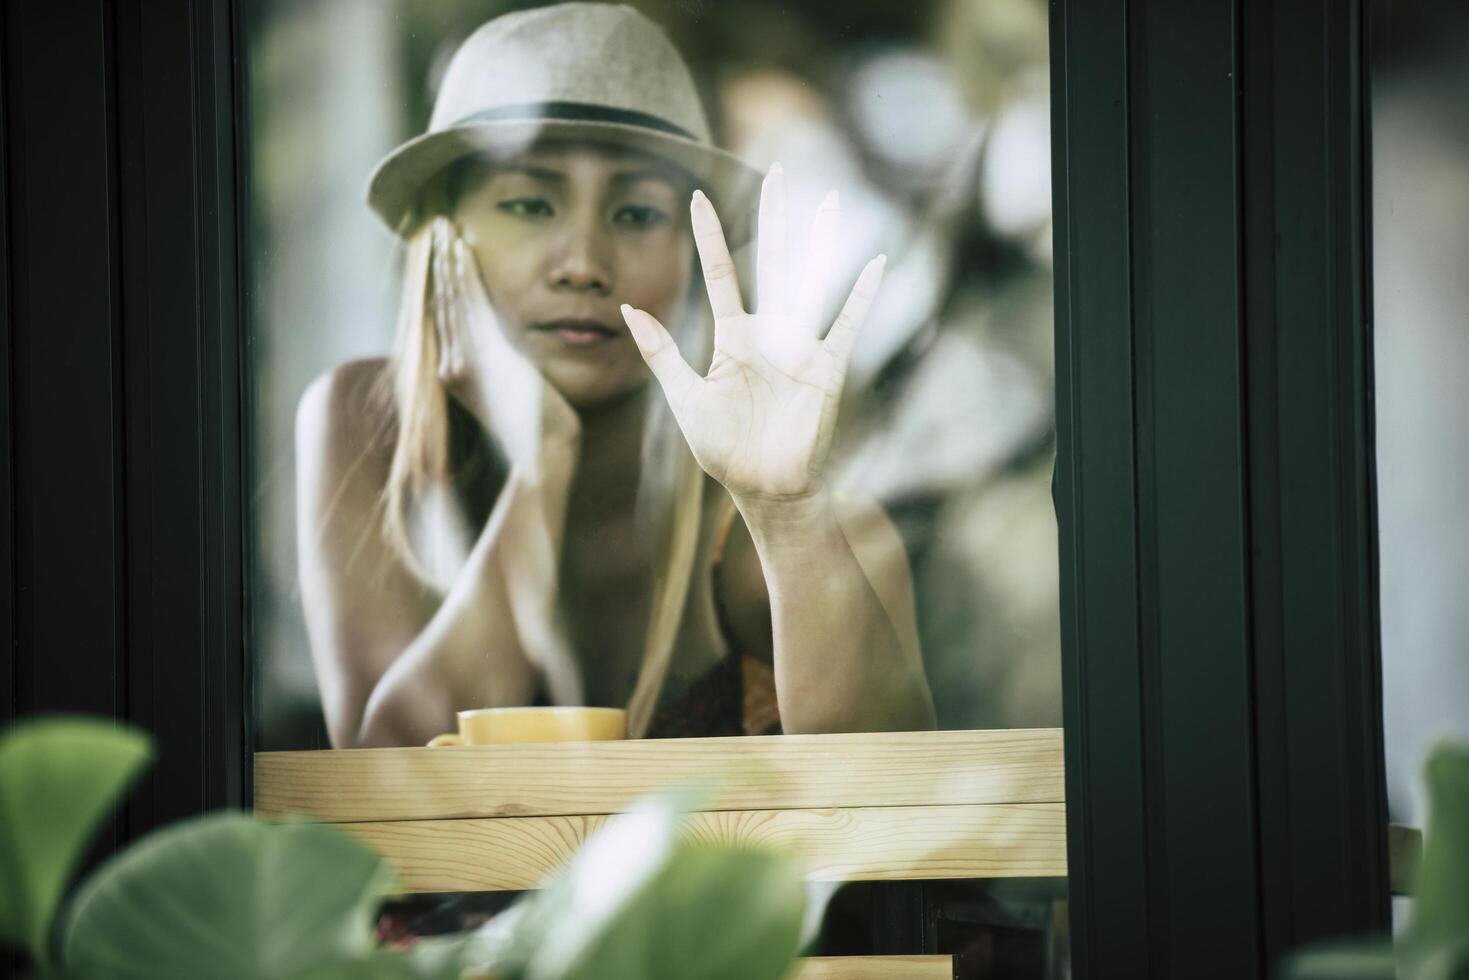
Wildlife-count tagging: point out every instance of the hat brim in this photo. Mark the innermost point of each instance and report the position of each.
(395, 186)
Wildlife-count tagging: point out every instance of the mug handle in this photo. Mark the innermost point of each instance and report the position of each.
(450, 738)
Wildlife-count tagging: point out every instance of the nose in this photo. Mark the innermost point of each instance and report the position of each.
(582, 260)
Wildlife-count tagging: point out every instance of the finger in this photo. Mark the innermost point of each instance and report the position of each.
(843, 334)
(467, 267)
(491, 349)
(441, 306)
(459, 315)
(476, 306)
(661, 353)
(719, 268)
(817, 274)
(770, 254)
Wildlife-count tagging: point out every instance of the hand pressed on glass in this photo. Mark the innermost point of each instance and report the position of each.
(535, 426)
(761, 421)
(538, 431)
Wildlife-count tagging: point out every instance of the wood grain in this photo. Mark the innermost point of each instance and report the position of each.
(874, 968)
(838, 844)
(758, 773)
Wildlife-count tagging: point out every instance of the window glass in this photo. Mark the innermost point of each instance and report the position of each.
(467, 488)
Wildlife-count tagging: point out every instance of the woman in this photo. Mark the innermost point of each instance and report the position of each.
(501, 513)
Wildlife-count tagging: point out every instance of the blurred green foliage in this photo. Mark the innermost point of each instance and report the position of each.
(1435, 943)
(230, 895)
(58, 779)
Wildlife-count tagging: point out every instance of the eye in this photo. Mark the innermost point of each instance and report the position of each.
(640, 216)
(526, 207)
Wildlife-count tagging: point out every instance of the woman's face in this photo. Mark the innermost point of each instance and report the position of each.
(565, 234)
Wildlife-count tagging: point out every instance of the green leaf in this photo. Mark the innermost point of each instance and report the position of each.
(58, 778)
(428, 959)
(636, 904)
(551, 928)
(818, 896)
(713, 912)
(227, 895)
(1435, 944)
(444, 957)
(1440, 961)
(1441, 909)
(382, 965)
(1344, 961)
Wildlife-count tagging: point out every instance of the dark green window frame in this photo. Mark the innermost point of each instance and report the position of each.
(1214, 486)
(1214, 478)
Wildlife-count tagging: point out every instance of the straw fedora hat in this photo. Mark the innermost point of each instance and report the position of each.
(580, 71)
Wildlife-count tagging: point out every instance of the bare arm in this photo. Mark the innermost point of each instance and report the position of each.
(470, 654)
(822, 587)
(761, 421)
(393, 658)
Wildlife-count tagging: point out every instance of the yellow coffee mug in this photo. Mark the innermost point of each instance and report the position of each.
(558, 723)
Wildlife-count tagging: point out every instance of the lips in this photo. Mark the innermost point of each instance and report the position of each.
(578, 332)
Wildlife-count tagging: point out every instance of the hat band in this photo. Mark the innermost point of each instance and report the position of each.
(579, 111)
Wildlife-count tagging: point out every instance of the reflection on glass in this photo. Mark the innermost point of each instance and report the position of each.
(938, 154)
(500, 515)
(826, 507)
(1420, 244)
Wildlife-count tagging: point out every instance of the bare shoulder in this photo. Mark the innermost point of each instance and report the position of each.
(347, 412)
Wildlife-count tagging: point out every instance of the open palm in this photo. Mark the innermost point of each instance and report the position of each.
(761, 421)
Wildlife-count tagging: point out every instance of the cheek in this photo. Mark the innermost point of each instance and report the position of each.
(508, 278)
(657, 279)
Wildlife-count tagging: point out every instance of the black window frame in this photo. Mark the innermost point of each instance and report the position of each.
(1214, 476)
(1216, 483)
